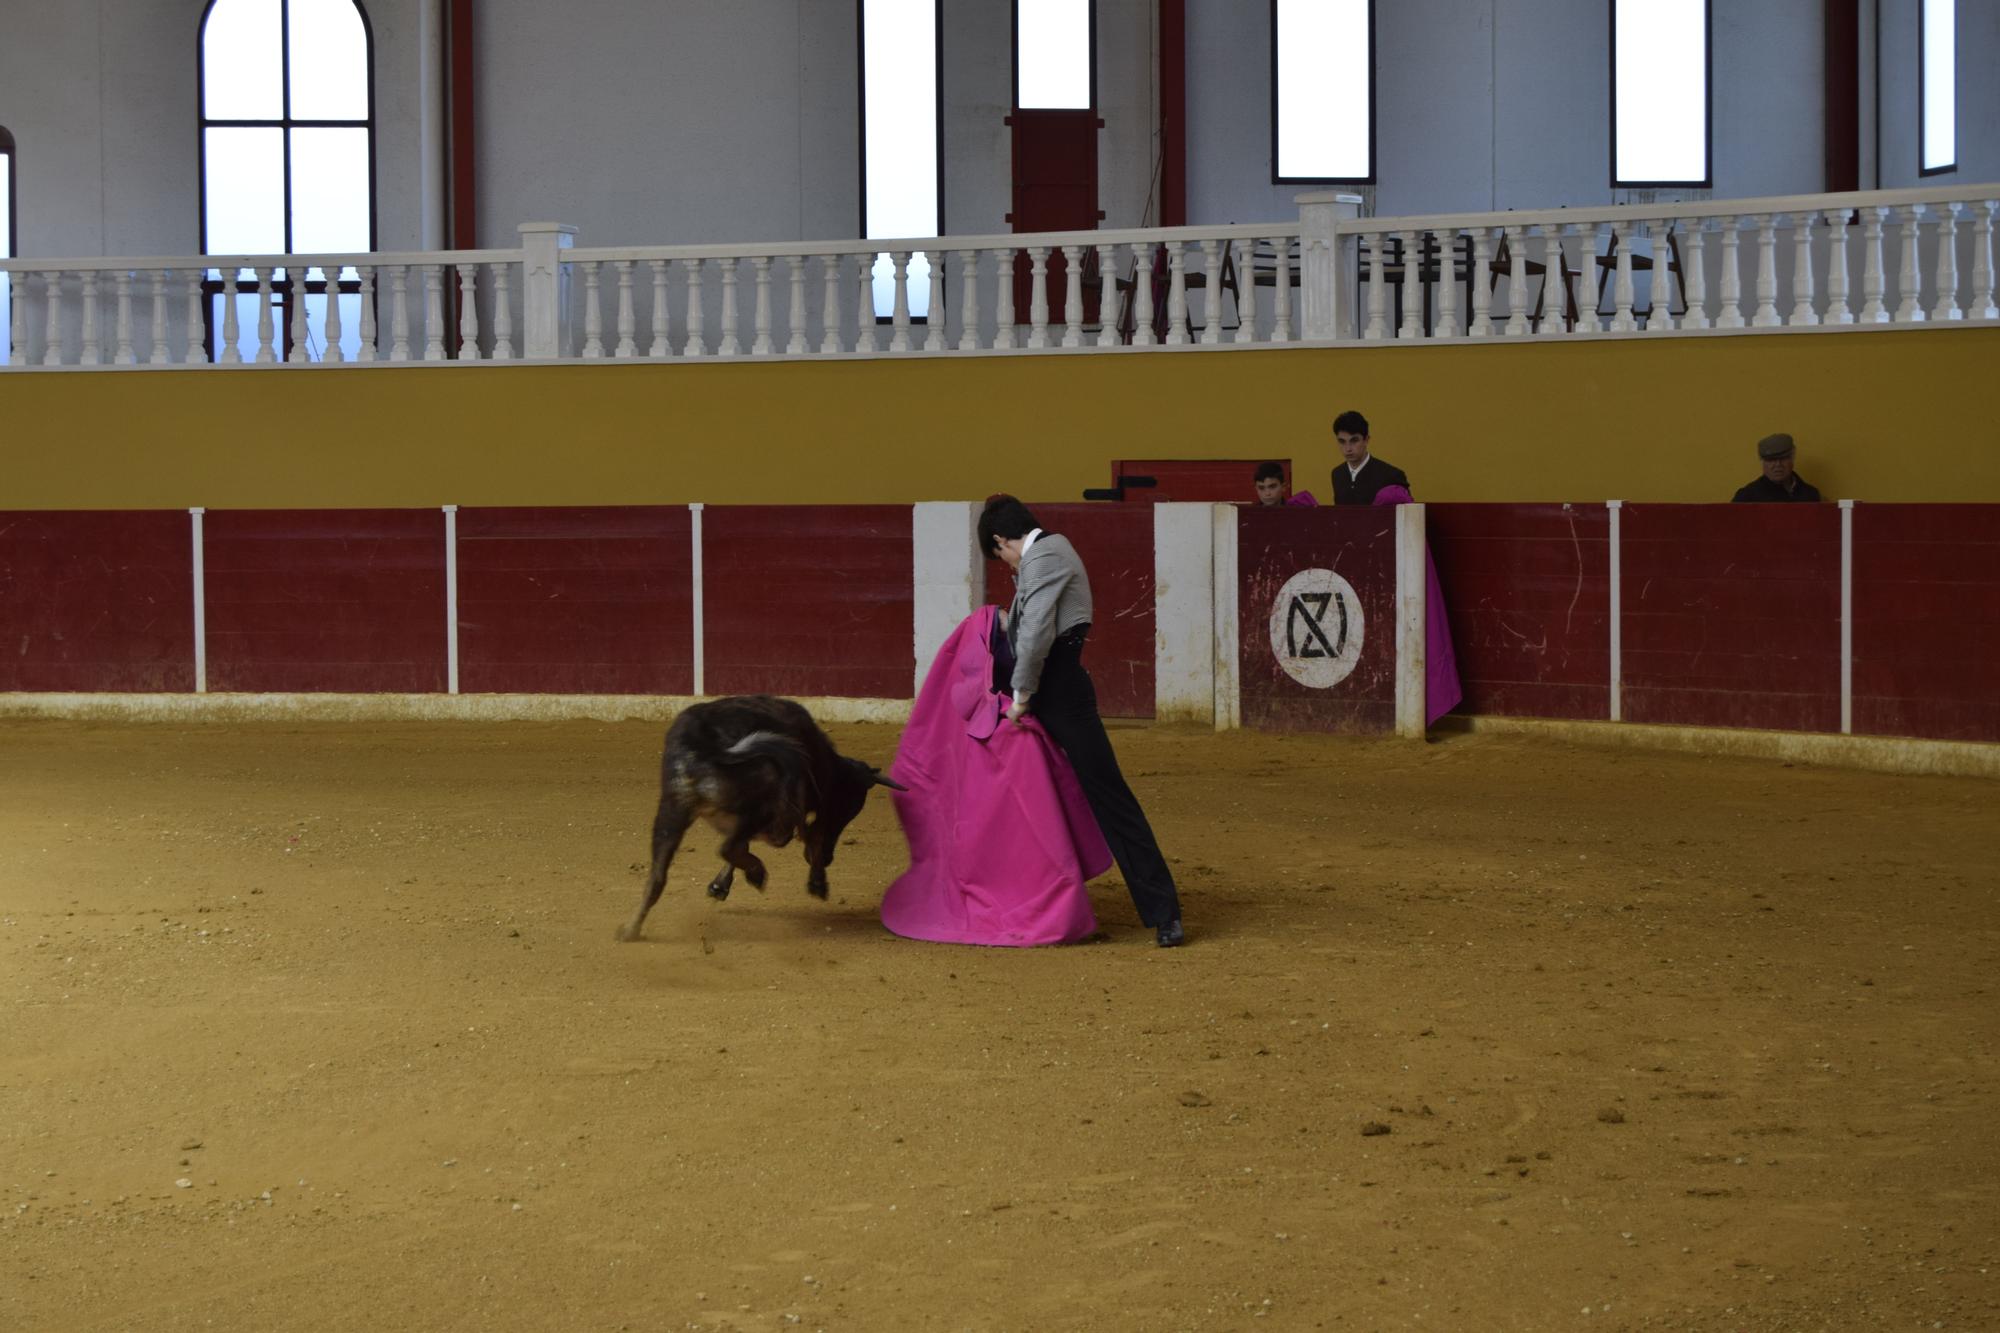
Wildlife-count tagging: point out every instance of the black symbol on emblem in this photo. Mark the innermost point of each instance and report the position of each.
(1309, 609)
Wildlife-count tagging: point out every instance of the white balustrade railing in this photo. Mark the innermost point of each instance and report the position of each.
(1903, 257)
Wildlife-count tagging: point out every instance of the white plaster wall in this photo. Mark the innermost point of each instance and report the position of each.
(101, 98)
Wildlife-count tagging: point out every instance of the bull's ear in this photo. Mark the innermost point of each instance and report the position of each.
(883, 781)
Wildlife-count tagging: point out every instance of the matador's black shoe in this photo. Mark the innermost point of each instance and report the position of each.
(1171, 935)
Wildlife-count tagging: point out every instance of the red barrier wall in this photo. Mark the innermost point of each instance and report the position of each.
(326, 600)
(1528, 592)
(1732, 615)
(97, 600)
(809, 599)
(576, 601)
(1359, 544)
(1115, 542)
(1927, 621)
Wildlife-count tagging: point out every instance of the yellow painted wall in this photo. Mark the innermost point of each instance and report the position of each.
(1896, 415)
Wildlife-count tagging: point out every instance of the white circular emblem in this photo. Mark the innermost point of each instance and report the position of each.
(1316, 628)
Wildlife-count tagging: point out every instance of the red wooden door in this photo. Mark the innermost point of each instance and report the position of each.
(1055, 189)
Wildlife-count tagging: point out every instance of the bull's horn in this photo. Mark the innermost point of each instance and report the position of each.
(889, 782)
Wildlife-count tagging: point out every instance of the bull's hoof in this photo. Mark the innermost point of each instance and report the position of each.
(718, 889)
(627, 933)
(817, 889)
(756, 876)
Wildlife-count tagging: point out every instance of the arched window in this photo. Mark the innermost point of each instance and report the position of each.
(287, 147)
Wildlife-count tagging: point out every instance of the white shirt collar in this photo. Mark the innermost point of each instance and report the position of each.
(1354, 469)
(1028, 541)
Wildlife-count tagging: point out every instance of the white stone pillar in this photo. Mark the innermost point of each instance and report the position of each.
(545, 314)
(1324, 282)
(949, 574)
(1184, 612)
(1228, 672)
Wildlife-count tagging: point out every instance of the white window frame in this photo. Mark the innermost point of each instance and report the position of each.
(1637, 58)
(1937, 38)
(1282, 122)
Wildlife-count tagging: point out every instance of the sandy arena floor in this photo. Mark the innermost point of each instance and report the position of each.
(323, 1027)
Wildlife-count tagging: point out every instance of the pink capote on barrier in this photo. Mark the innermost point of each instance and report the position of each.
(1441, 687)
(1001, 838)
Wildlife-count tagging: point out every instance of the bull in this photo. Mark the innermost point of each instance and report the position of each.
(755, 767)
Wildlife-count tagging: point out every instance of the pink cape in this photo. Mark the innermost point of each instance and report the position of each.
(1001, 838)
(1441, 687)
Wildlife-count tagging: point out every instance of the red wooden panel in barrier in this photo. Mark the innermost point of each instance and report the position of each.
(1313, 627)
(1927, 621)
(808, 599)
(1528, 591)
(576, 601)
(1732, 615)
(1115, 542)
(97, 600)
(326, 600)
(1214, 480)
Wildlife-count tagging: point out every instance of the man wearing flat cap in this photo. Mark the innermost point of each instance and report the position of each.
(1779, 484)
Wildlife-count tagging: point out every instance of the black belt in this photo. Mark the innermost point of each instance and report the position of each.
(1072, 637)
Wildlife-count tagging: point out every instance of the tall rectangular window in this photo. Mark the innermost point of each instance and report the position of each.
(1053, 51)
(901, 193)
(1659, 93)
(6, 243)
(1323, 90)
(1937, 87)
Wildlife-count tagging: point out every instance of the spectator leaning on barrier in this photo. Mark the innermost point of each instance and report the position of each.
(1360, 476)
(1271, 489)
(1779, 484)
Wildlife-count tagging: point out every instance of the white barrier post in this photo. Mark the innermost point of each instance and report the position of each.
(1184, 612)
(948, 574)
(1847, 617)
(700, 666)
(1617, 615)
(200, 606)
(1410, 620)
(451, 599)
(1227, 674)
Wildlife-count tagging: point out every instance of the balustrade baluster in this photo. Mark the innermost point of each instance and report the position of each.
(1660, 316)
(593, 313)
(503, 311)
(1731, 316)
(1281, 299)
(628, 321)
(935, 315)
(1911, 277)
(399, 312)
(370, 335)
(899, 314)
(52, 339)
(433, 312)
(1177, 311)
(1410, 249)
(231, 351)
(194, 333)
(1038, 296)
(121, 347)
(865, 339)
(1378, 286)
(334, 351)
(301, 339)
(1621, 289)
(729, 346)
(468, 313)
(1142, 298)
(1246, 290)
(1587, 283)
(829, 315)
(92, 352)
(968, 302)
(1211, 291)
(1837, 311)
(1447, 285)
(1694, 277)
(1554, 289)
(1983, 306)
(796, 345)
(760, 341)
(267, 341)
(1072, 296)
(17, 320)
(1517, 282)
(1479, 323)
(1802, 269)
(1767, 273)
(1946, 307)
(1107, 296)
(1874, 274)
(697, 342)
(157, 352)
(661, 343)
